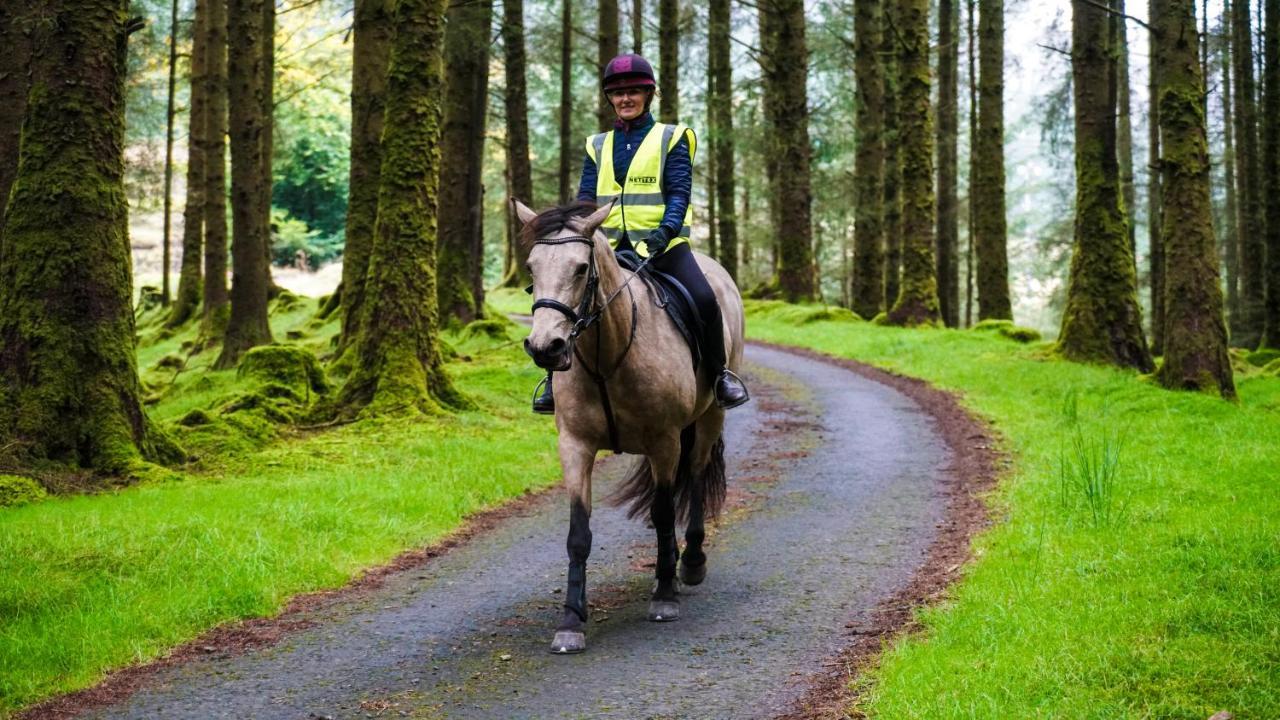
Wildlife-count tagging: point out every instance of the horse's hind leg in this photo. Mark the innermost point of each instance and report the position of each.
(576, 462)
(664, 605)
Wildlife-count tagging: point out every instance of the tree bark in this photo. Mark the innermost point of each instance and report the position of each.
(1124, 120)
(669, 60)
(917, 302)
(1154, 204)
(398, 364)
(250, 277)
(606, 50)
(971, 56)
(1102, 321)
(460, 258)
(69, 389)
(1271, 172)
(766, 15)
(516, 101)
(15, 58)
(637, 27)
(866, 292)
(268, 133)
(189, 276)
(1195, 356)
(721, 117)
(988, 189)
(947, 231)
(1231, 237)
(216, 298)
(169, 112)
(1248, 331)
(374, 29)
(786, 83)
(566, 98)
(892, 157)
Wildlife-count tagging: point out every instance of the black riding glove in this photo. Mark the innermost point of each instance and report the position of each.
(656, 242)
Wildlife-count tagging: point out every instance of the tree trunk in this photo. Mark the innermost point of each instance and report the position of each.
(374, 29)
(971, 56)
(669, 60)
(268, 132)
(1195, 356)
(398, 364)
(1271, 172)
(1231, 237)
(947, 232)
(250, 276)
(516, 100)
(189, 277)
(866, 292)
(917, 302)
(606, 50)
(1124, 121)
(721, 117)
(169, 113)
(15, 56)
(990, 227)
(566, 98)
(892, 156)
(216, 297)
(1154, 204)
(1248, 331)
(637, 27)
(790, 73)
(460, 257)
(1102, 321)
(766, 14)
(69, 390)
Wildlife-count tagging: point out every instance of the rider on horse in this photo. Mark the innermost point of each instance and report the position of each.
(647, 169)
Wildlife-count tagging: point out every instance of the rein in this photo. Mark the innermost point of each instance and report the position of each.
(588, 314)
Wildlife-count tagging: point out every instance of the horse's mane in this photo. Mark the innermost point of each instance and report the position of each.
(553, 220)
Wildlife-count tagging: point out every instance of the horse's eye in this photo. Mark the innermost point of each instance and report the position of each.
(582, 270)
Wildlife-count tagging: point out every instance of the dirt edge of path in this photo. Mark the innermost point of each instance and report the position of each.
(976, 466)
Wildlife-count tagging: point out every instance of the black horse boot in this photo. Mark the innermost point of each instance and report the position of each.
(731, 391)
(544, 403)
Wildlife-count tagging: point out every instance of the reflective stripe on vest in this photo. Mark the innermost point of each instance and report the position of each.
(640, 206)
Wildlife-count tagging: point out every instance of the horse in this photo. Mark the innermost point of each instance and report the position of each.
(625, 381)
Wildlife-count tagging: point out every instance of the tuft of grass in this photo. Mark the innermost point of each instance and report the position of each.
(1165, 606)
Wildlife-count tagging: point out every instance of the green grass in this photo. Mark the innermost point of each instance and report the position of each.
(94, 582)
(1134, 570)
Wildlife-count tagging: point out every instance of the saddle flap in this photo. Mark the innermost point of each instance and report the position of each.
(674, 298)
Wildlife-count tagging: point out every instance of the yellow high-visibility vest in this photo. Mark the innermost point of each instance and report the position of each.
(640, 207)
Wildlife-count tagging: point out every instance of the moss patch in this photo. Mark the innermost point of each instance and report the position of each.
(284, 365)
(1262, 358)
(1006, 328)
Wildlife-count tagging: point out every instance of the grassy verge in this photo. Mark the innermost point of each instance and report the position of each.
(1135, 568)
(93, 582)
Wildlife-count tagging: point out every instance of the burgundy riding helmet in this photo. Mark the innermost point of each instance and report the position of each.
(628, 70)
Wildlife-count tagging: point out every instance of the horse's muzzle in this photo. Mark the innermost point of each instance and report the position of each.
(556, 355)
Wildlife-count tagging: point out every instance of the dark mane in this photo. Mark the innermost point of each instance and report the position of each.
(553, 220)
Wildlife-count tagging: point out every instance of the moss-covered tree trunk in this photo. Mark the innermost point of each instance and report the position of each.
(1124, 119)
(1195, 356)
(516, 101)
(247, 326)
(991, 235)
(190, 275)
(1155, 256)
(606, 49)
(1246, 330)
(566, 99)
(971, 56)
(1271, 173)
(15, 55)
(170, 111)
(767, 17)
(374, 29)
(947, 230)
(866, 291)
(721, 116)
(460, 260)
(917, 302)
(1231, 235)
(398, 363)
(796, 276)
(669, 60)
(69, 390)
(216, 297)
(892, 157)
(1102, 321)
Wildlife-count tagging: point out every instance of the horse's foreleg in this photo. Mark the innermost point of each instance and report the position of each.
(664, 605)
(693, 561)
(576, 462)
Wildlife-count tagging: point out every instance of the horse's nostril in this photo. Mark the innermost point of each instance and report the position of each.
(528, 349)
(556, 346)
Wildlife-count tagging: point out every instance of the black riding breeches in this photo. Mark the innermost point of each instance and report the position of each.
(680, 263)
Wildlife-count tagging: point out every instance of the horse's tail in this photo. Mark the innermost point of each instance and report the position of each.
(637, 489)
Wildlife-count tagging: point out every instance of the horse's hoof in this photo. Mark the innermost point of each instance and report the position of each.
(568, 642)
(664, 610)
(693, 575)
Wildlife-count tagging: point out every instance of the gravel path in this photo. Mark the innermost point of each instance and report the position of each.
(836, 495)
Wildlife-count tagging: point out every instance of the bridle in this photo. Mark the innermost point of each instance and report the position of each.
(588, 313)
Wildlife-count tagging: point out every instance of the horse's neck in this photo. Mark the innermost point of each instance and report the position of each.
(614, 327)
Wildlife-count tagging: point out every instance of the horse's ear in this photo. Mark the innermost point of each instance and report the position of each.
(594, 220)
(523, 211)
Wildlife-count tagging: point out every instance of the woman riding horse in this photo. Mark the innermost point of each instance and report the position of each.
(646, 168)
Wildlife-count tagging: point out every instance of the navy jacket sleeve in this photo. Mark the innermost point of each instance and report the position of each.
(677, 187)
(587, 185)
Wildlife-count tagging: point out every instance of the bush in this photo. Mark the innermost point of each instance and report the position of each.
(16, 490)
(293, 244)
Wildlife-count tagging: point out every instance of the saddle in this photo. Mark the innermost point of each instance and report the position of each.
(673, 297)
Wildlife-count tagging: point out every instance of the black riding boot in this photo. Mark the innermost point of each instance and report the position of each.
(730, 390)
(543, 402)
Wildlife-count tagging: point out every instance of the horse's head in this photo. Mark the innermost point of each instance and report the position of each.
(564, 252)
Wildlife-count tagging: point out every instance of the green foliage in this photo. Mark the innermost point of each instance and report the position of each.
(799, 314)
(1262, 358)
(1164, 610)
(311, 173)
(17, 490)
(295, 244)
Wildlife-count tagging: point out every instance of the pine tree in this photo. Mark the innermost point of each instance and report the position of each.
(217, 299)
(917, 302)
(721, 117)
(1102, 321)
(988, 181)
(190, 275)
(637, 27)
(516, 102)
(1271, 173)
(606, 49)
(1246, 330)
(1124, 120)
(947, 231)
(566, 98)
(1154, 203)
(1231, 237)
(1195, 356)
(669, 60)
(892, 155)
(786, 83)
(866, 294)
(170, 111)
